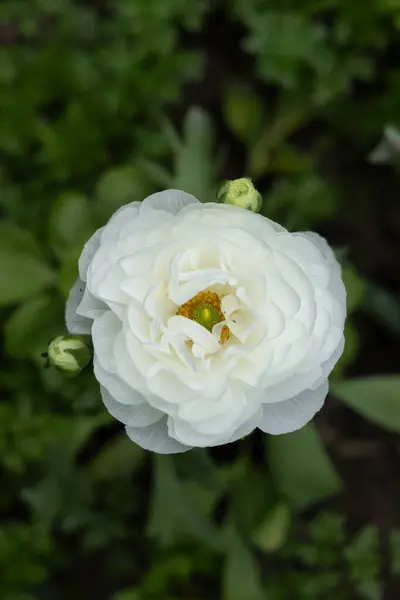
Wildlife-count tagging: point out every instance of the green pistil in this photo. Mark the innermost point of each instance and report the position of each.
(207, 315)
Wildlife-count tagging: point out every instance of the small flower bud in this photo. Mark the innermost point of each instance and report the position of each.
(240, 192)
(69, 353)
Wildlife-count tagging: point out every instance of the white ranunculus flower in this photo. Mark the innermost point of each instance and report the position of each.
(207, 321)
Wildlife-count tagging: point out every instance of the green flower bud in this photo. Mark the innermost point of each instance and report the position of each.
(240, 192)
(69, 353)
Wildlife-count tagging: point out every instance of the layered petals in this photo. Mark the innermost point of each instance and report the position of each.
(208, 321)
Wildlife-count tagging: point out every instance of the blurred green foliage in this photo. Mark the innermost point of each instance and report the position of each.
(87, 95)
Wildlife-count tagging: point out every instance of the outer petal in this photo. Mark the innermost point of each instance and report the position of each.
(138, 415)
(90, 307)
(247, 427)
(76, 324)
(290, 415)
(328, 365)
(170, 200)
(124, 214)
(155, 438)
(321, 244)
(88, 252)
(115, 386)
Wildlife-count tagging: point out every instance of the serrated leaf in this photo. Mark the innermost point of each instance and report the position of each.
(375, 398)
(21, 276)
(301, 468)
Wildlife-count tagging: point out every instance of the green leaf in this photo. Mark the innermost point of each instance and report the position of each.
(370, 589)
(173, 511)
(199, 464)
(241, 579)
(252, 496)
(68, 271)
(376, 398)
(362, 556)
(21, 276)
(327, 527)
(195, 169)
(18, 240)
(119, 186)
(383, 306)
(70, 223)
(394, 542)
(243, 111)
(272, 534)
(300, 201)
(355, 288)
(119, 457)
(31, 327)
(350, 352)
(128, 594)
(301, 468)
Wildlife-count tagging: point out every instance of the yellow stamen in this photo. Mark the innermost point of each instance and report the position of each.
(205, 309)
(225, 333)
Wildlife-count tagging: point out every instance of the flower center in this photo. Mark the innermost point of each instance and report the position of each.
(205, 309)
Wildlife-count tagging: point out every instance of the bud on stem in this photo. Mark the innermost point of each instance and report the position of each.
(69, 353)
(240, 192)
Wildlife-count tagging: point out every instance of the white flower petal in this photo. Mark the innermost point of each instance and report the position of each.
(90, 307)
(76, 324)
(89, 249)
(135, 415)
(117, 388)
(104, 331)
(247, 427)
(328, 365)
(321, 244)
(126, 369)
(195, 332)
(155, 438)
(290, 415)
(169, 200)
(124, 214)
(169, 380)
